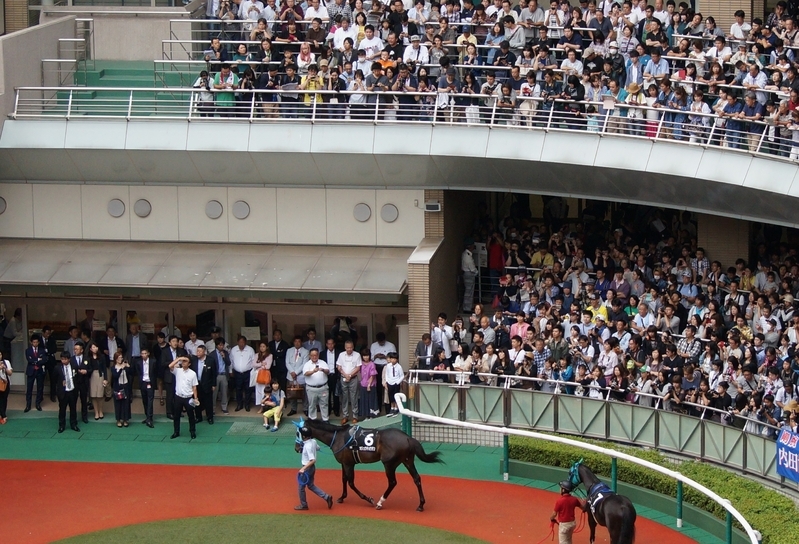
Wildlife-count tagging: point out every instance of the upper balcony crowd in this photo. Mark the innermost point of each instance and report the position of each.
(659, 70)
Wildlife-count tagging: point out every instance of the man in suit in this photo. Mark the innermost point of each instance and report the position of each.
(425, 350)
(111, 344)
(295, 360)
(205, 367)
(169, 353)
(82, 379)
(36, 357)
(278, 348)
(146, 368)
(67, 393)
(136, 342)
(330, 355)
(220, 358)
(49, 344)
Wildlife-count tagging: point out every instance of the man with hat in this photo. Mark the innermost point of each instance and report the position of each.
(309, 449)
(416, 55)
(592, 62)
(618, 70)
(563, 514)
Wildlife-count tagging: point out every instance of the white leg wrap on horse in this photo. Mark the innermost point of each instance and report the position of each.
(380, 502)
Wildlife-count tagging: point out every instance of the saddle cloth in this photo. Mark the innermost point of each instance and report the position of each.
(598, 492)
(362, 440)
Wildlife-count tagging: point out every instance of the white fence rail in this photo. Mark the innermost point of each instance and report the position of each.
(753, 536)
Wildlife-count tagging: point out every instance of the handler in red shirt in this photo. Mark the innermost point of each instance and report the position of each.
(564, 514)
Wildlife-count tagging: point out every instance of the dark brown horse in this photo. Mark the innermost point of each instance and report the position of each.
(616, 512)
(392, 447)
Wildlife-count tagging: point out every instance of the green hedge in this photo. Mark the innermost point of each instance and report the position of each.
(771, 513)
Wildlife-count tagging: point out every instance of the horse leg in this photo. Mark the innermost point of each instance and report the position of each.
(591, 526)
(343, 485)
(351, 482)
(409, 464)
(391, 476)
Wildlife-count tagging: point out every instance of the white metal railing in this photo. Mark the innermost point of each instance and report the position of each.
(400, 399)
(397, 107)
(462, 379)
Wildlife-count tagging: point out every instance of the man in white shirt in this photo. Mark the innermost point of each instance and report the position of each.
(394, 377)
(342, 32)
(185, 392)
(192, 343)
(349, 367)
(720, 51)
(295, 360)
(416, 55)
(242, 358)
(371, 44)
(740, 28)
(469, 270)
(314, 10)
(380, 350)
(441, 334)
(643, 319)
(315, 372)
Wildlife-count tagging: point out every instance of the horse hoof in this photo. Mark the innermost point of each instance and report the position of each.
(378, 507)
(420, 509)
(340, 500)
(370, 500)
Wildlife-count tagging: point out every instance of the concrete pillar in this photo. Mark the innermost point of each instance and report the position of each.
(434, 221)
(433, 277)
(724, 239)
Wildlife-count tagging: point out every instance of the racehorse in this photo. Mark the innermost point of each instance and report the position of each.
(352, 445)
(608, 509)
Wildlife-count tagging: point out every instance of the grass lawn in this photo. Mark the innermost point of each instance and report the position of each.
(304, 527)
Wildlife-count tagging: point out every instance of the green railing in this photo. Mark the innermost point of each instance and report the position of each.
(603, 420)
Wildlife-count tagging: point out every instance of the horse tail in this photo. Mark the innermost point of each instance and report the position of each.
(628, 516)
(432, 457)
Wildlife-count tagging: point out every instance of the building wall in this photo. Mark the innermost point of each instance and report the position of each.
(277, 215)
(724, 239)
(722, 11)
(142, 33)
(21, 55)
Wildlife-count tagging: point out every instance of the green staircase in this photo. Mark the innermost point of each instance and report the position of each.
(128, 74)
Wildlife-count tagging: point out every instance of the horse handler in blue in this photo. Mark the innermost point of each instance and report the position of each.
(564, 513)
(305, 477)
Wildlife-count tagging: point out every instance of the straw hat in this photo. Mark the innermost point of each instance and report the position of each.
(633, 88)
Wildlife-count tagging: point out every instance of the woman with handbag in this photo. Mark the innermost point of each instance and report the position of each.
(98, 363)
(120, 378)
(263, 369)
(5, 387)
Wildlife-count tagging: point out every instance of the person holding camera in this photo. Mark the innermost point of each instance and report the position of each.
(317, 391)
(205, 98)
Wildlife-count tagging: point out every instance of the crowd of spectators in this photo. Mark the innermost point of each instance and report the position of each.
(623, 66)
(629, 311)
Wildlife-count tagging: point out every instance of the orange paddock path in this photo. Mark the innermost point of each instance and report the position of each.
(46, 501)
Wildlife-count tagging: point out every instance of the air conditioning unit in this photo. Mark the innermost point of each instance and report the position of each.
(432, 206)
